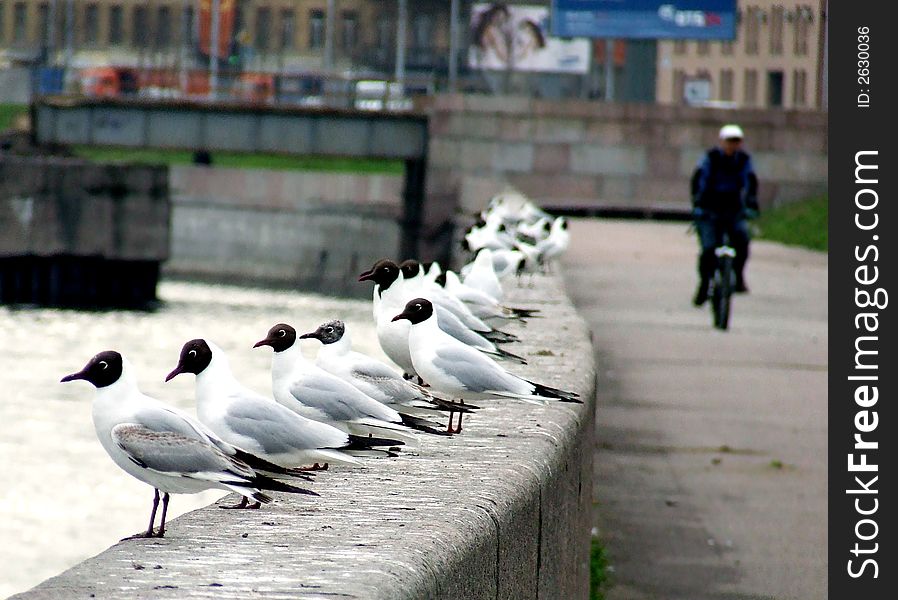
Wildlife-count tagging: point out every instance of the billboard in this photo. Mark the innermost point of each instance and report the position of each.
(517, 37)
(645, 19)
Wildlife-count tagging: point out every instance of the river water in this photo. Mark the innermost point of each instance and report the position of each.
(61, 498)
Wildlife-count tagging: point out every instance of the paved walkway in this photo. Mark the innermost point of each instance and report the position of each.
(711, 446)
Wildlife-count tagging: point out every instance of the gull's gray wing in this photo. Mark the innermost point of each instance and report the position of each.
(340, 400)
(278, 430)
(171, 453)
(476, 372)
(451, 324)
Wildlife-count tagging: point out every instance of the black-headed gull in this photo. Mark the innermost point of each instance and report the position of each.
(391, 295)
(454, 368)
(375, 378)
(314, 393)
(163, 447)
(247, 419)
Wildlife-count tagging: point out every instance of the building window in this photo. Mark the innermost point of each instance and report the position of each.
(139, 27)
(802, 28)
(316, 29)
(189, 25)
(703, 48)
(751, 87)
(384, 32)
(19, 22)
(263, 28)
(349, 31)
(163, 27)
(115, 25)
(43, 21)
(776, 30)
(726, 85)
(288, 29)
(726, 48)
(680, 46)
(774, 88)
(799, 87)
(91, 25)
(679, 86)
(423, 31)
(753, 18)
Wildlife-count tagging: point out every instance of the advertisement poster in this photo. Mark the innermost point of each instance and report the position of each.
(517, 37)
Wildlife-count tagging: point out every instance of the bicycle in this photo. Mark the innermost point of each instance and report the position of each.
(722, 284)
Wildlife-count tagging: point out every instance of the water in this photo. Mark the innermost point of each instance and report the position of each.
(61, 498)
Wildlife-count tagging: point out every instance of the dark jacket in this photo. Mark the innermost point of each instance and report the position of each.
(725, 185)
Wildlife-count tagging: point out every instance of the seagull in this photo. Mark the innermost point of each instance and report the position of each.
(249, 420)
(391, 295)
(482, 305)
(312, 392)
(453, 368)
(163, 447)
(555, 244)
(482, 275)
(392, 337)
(375, 378)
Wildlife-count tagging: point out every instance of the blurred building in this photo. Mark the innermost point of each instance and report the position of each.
(262, 35)
(776, 61)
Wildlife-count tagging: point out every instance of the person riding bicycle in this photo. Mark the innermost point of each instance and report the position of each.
(724, 196)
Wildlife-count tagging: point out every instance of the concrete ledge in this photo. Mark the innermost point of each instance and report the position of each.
(501, 511)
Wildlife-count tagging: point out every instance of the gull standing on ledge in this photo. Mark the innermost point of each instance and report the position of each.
(316, 394)
(373, 377)
(163, 447)
(245, 418)
(454, 368)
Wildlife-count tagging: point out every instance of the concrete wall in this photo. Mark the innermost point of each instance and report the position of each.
(578, 154)
(53, 205)
(78, 233)
(314, 231)
(500, 511)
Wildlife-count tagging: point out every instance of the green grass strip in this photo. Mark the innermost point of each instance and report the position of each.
(804, 223)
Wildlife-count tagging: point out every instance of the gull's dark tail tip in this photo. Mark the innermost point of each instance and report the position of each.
(360, 442)
(510, 356)
(270, 484)
(550, 392)
(497, 336)
(425, 425)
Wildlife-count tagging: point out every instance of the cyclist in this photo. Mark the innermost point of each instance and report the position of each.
(724, 196)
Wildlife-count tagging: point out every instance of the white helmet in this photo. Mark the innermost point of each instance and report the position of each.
(731, 131)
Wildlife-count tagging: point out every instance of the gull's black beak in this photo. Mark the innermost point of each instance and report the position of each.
(313, 335)
(260, 343)
(178, 370)
(399, 317)
(367, 275)
(73, 377)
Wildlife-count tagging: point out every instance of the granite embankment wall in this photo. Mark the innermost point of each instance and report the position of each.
(308, 230)
(73, 232)
(594, 155)
(500, 511)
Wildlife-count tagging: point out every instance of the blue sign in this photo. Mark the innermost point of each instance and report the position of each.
(645, 19)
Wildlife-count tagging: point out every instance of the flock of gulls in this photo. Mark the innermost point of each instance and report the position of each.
(442, 330)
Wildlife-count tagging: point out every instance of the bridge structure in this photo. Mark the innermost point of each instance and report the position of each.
(236, 127)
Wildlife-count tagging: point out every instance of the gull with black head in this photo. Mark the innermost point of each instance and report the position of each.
(375, 378)
(165, 448)
(314, 393)
(248, 419)
(453, 368)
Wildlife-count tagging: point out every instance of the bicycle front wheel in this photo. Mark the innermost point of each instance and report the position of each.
(723, 291)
